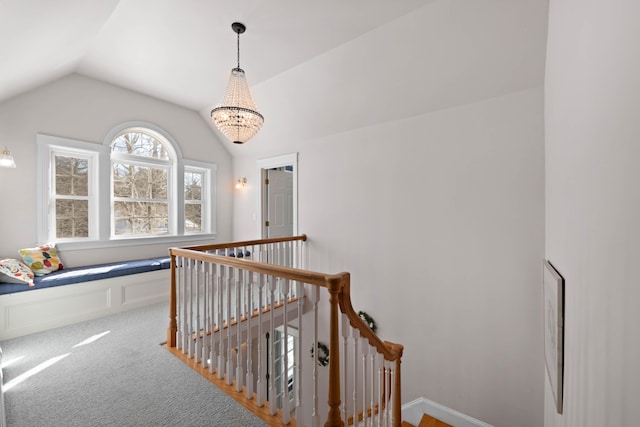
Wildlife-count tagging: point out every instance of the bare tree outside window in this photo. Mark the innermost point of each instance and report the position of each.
(148, 186)
(193, 203)
(140, 144)
(71, 196)
(140, 189)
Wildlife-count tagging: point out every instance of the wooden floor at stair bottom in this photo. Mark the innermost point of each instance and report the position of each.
(230, 390)
(427, 421)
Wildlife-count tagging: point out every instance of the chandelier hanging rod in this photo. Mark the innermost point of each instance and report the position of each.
(238, 28)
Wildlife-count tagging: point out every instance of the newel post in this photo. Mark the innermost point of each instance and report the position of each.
(397, 388)
(333, 419)
(173, 326)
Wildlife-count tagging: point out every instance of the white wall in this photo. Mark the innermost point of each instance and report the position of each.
(592, 99)
(421, 172)
(77, 107)
(439, 218)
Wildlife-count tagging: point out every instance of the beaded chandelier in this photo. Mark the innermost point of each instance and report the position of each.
(236, 116)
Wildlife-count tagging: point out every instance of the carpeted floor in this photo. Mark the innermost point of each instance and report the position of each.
(121, 378)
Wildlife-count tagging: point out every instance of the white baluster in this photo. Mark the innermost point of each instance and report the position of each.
(214, 313)
(206, 318)
(315, 416)
(229, 369)
(249, 299)
(272, 388)
(179, 302)
(344, 374)
(185, 306)
(372, 360)
(365, 416)
(383, 396)
(261, 384)
(196, 284)
(275, 253)
(285, 383)
(392, 396)
(239, 305)
(222, 272)
(299, 380)
(294, 254)
(355, 333)
(191, 326)
(380, 380)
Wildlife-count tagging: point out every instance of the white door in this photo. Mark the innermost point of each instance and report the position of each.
(278, 203)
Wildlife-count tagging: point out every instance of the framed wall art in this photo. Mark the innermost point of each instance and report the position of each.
(553, 292)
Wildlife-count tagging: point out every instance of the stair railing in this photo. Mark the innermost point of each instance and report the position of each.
(226, 297)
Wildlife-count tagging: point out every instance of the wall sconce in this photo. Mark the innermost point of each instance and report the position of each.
(6, 159)
(241, 183)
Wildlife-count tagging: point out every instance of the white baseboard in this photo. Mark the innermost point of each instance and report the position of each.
(412, 412)
(37, 310)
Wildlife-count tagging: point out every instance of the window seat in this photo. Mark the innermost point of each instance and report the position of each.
(72, 275)
(77, 294)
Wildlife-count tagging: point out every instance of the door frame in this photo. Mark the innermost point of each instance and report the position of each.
(276, 162)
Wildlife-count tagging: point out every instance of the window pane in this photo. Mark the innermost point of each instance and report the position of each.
(139, 182)
(158, 183)
(140, 218)
(72, 218)
(193, 185)
(193, 217)
(122, 184)
(72, 177)
(140, 144)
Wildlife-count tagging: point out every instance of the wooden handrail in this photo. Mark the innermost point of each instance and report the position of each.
(319, 279)
(302, 237)
(390, 351)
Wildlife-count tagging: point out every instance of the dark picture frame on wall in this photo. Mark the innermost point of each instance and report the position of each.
(553, 293)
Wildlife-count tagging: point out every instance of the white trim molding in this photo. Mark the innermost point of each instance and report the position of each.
(412, 413)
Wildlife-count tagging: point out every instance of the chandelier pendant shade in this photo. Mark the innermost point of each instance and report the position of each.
(237, 116)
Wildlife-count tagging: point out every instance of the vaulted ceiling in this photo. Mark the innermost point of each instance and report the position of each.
(183, 51)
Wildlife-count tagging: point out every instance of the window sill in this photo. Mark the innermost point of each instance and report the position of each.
(187, 239)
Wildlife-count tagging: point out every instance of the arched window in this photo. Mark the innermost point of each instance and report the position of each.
(143, 174)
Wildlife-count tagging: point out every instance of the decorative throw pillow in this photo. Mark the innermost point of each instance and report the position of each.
(13, 271)
(43, 259)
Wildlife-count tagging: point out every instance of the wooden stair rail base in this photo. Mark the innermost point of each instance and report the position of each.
(261, 412)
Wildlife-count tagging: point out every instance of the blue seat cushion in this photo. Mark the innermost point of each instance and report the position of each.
(69, 276)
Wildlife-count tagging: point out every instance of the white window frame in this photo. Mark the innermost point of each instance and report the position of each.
(208, 192)
(170, 165)
(100, 234)
(47, 149)
(175, 176)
